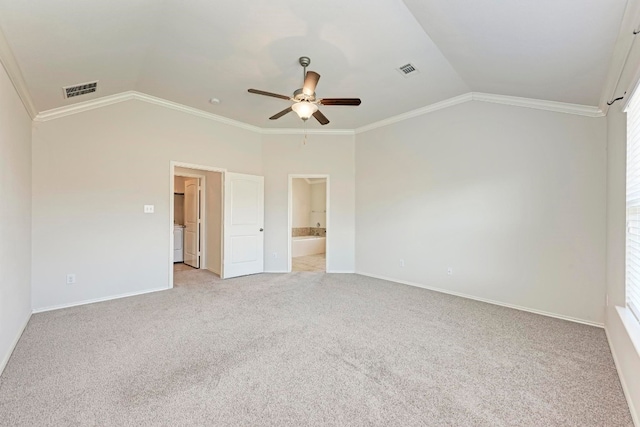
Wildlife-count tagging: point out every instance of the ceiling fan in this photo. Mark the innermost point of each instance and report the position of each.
(304, 99)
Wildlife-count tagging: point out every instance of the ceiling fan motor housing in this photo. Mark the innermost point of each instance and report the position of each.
(299, 95)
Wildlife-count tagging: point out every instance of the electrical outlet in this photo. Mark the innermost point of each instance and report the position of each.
(148, 208)
(401, 263)
(71, 278)
(275, 254)
(449, 271)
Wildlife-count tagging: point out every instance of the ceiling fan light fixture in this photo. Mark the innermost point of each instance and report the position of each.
(304, 109)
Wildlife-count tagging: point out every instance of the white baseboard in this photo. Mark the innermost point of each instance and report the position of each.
(633, 408)
(7, 356)
(623, 382)
(330, 272)
(489, 301)
(91, 301)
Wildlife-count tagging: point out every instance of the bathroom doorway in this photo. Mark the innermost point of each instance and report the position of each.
(308, 222)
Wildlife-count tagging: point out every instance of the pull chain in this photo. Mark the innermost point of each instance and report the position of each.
(304, 142)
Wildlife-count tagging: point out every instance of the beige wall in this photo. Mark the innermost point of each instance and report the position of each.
(323, 154)
(512, 199)
(214, 221)
(111, 161)
(178, 186)
(178, 209)
(15, 217)
(301, 202)
(178, 200)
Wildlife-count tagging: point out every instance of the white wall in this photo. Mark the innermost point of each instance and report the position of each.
(110, 162)
(323, 154)
(15, 217)
(301, 203)
(513, 199)
(616, 205)
(318, 205)
(620, 325)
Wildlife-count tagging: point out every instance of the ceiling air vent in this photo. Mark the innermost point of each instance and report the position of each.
(408, 70)
(81, 89)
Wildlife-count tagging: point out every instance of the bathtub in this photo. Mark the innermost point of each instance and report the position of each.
(307, 245)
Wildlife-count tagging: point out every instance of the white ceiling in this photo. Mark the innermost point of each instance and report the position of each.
(190, 51)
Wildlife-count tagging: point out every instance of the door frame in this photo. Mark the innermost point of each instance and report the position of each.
(290, 217)
(172, 175)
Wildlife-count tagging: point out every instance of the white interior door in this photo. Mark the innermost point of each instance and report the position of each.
(243, 225)
(192, 222)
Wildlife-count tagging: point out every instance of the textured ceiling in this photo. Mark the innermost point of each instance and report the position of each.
(189, 52)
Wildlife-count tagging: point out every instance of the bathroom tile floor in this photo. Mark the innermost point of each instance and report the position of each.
(179, 266)
(301, 263)
(309, 263)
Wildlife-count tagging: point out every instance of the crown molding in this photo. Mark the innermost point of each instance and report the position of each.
(80, 107)
(418, 112)
(92, 104)
(539, 104)
(293, 131)
(194, 111)
(15, 75)
(554, 106)
(69, 110)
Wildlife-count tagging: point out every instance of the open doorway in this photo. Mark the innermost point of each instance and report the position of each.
(188, 220)
(308, 222)
(197, 219)
(230, 221)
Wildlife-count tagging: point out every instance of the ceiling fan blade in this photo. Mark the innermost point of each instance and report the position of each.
(320, 117)
(275, 95)
(340, 101)
(310, 82)
(280, 114)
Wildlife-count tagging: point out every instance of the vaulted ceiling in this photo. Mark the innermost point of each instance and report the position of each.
(191, 51)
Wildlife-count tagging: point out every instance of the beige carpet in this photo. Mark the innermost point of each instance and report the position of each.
(307, 349)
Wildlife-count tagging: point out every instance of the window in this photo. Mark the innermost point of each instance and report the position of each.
(633, 205)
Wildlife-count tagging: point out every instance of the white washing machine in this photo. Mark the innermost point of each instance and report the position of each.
(178, 243)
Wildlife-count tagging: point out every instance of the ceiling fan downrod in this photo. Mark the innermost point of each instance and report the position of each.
(304, 61)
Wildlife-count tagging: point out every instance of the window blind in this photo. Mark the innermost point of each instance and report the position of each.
(633, 205)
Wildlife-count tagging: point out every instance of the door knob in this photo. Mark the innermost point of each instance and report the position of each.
(262, 229)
